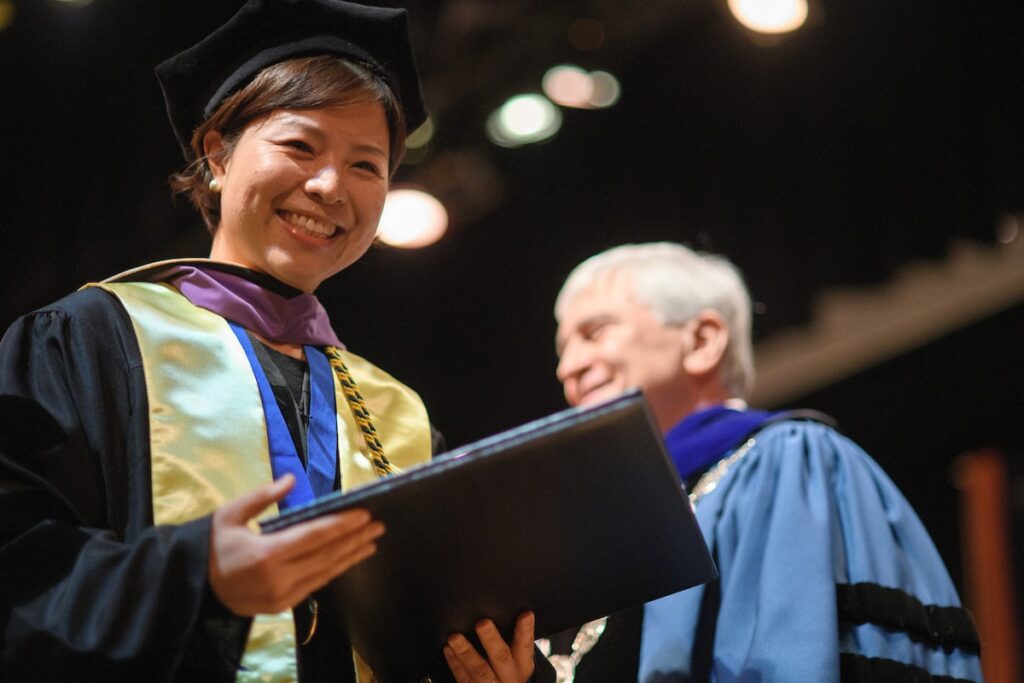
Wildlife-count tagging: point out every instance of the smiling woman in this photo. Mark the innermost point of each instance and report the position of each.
(165, 408)
(301, 192)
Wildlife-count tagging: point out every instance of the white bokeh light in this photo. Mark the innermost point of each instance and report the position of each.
(770, 16)
(411, 219)
(524, 119)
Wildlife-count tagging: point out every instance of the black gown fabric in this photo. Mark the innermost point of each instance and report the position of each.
(90, 588)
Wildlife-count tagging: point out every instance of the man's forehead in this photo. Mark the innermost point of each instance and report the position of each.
(607, 290)
(609, 294)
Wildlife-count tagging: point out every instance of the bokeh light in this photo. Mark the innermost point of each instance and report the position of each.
(568, 85)
(412, 219)
(524, 119)
(770, 16)
(6, 13)
(605, 91)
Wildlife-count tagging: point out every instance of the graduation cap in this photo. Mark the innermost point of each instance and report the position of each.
(264, 32)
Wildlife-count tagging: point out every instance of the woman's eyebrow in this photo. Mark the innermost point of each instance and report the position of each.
(296, 121)
(370, 148)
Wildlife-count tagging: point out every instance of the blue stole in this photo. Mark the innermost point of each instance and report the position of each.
(703, 438)
(317, 478)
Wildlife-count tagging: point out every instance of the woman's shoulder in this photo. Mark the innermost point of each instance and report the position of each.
(87, 317)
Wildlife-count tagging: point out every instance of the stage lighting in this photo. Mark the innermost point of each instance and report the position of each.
(524, 119)
(770, 16)
(411, 219)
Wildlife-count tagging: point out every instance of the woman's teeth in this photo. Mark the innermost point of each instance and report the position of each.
(309, 225)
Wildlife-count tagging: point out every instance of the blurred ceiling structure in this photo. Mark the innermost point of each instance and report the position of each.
(877, 134)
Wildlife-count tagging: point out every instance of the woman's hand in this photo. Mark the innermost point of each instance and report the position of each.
(255, 573)
(504, 663)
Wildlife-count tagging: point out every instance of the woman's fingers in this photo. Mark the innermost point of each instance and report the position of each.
(240, 510)
(498, 653)
(522, 643)
(474, 667)
(503, 663)
(256, 573)
(458, 671)
(343, 535)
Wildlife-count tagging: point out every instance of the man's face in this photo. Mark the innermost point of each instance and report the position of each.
(608, 342)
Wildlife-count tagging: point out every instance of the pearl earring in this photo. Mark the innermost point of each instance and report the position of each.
(215, 186)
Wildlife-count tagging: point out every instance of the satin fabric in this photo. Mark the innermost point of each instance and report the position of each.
(805, 509)
(209, 436)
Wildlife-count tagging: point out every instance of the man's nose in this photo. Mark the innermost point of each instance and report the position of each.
(571, 362)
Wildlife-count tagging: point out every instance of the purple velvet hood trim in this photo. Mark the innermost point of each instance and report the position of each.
(294, 320)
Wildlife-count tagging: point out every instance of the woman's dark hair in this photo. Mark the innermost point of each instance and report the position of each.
(301, 83)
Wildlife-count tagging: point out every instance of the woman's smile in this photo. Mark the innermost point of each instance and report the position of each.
(299, 224)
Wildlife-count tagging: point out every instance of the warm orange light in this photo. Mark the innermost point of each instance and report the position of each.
(411, 219)
(770, 16)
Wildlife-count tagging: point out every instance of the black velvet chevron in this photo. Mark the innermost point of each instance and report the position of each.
(894, 609)
(859, 669)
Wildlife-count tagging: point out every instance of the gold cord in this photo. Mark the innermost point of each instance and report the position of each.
(365, 423)
(360, 413)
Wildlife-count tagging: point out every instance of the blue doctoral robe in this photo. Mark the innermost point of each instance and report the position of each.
(804, 515)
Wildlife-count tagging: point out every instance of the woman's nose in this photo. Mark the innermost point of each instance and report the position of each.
(326, 185)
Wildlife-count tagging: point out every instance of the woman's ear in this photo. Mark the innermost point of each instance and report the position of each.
(710, 339)
(213, 150)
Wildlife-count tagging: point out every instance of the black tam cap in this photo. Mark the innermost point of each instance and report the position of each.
(264, 32)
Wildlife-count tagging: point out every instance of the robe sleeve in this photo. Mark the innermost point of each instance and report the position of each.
(88, 583)
(803, 514)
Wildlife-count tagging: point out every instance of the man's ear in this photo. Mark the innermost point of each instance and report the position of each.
(213, 149)
(710, 338)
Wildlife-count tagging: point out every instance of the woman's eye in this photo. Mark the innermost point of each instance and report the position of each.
(369, 166)
(300, 145)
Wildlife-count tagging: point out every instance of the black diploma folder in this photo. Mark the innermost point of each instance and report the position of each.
(573, 516)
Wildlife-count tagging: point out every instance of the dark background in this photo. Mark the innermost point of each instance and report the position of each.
(875, 136)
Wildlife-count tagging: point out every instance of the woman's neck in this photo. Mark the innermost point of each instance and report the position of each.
(293, 350)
